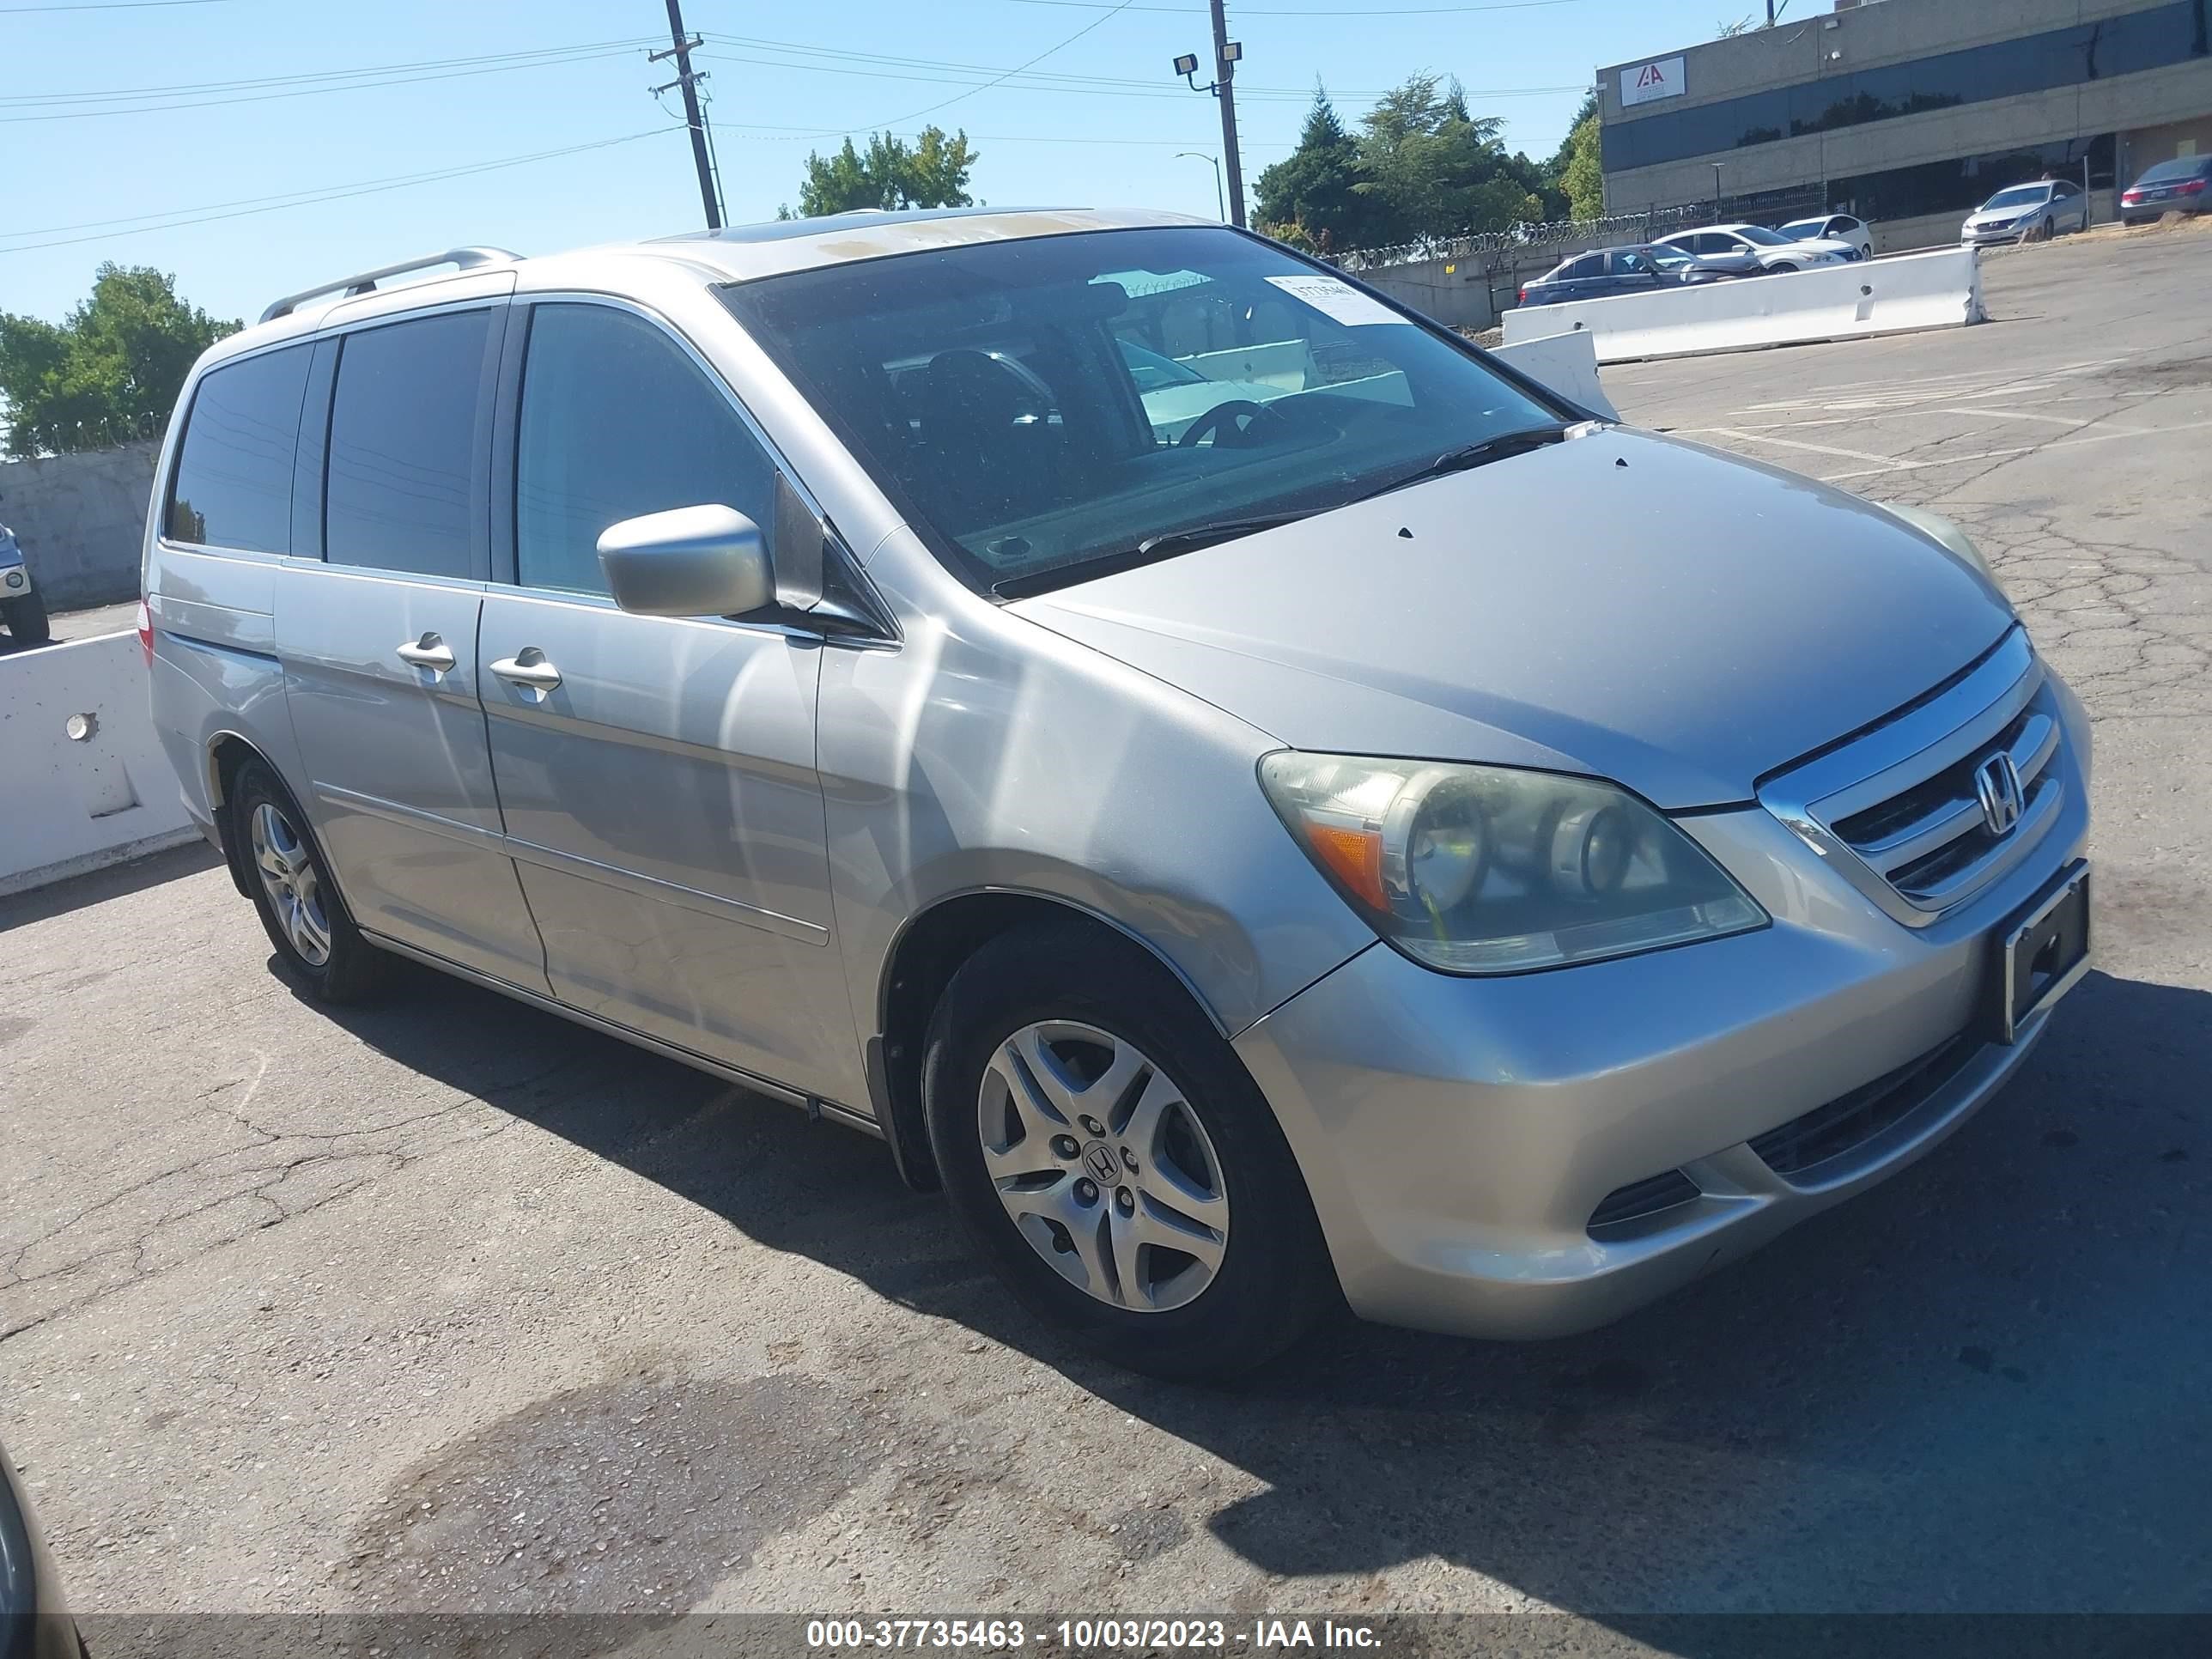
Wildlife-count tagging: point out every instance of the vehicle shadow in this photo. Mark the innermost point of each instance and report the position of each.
(1979, 1387)
(98, 886)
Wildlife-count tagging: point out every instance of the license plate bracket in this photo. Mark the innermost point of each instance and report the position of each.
(2041, 951)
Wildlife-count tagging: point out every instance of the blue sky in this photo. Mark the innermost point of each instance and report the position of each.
(83, 164)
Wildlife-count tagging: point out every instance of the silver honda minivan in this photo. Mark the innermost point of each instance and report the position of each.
(1234, 784)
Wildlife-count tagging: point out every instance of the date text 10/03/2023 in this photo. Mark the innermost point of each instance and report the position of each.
(1082, 1635)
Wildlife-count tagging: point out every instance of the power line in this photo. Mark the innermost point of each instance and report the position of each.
(309, 92)
(1112, 12)
(1047, 80)
(258, 82)
(304, 198)
(1360, 11)
(116, 5)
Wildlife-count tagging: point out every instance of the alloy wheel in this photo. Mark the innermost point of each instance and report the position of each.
(293, 885)
(1103, 1165)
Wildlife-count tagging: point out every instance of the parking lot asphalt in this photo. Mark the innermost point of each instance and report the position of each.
(449, 1304)
(88, 624)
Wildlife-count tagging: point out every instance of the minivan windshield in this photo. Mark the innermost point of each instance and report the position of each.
(1042, 411)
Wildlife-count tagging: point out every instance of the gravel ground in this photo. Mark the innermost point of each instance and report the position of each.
(449, 1304)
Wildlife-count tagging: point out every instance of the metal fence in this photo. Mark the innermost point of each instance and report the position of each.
(1576, 235)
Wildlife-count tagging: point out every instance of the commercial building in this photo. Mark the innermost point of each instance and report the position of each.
(1910, 112)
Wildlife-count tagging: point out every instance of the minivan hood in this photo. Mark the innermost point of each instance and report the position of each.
(1623, 605)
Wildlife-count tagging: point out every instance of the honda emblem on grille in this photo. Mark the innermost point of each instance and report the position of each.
(1997, 785)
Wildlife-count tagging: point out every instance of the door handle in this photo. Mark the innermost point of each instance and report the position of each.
(430, 651)
(528, 667)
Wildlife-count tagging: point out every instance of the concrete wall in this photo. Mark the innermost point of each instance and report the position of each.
(82, 521)
(1455, 292)
(86, 781)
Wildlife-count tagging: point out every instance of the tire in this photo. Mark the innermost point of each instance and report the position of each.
(1784, 269)
(26, 620)
(1191, 1129)
(317, 943)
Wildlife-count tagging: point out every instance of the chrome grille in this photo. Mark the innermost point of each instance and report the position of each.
(1897, 809)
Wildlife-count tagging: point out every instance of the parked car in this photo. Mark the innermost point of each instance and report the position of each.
(22, 607)
(33, 1623)
(1637, 268)
(2177, 186)
(1772, 251)
(2027, 213)
(1852, 232)
(1292, 865)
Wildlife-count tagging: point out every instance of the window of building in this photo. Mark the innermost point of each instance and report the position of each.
(232, 482)
(617, 421)
(2125, 45)
(1964, 182)
(406, 422)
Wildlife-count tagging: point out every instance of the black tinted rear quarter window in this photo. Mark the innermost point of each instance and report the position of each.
(232, 482)
(617, 421)
(402, 491)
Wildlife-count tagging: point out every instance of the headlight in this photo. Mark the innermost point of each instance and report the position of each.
(1952, 539)
(1494, 870)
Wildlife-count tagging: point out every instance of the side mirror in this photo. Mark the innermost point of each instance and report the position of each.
(689, 562)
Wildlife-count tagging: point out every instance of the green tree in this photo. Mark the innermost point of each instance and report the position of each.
(1438, 170)
(1308, 198)
(932, 172)
(1582, 178)
(107, 374)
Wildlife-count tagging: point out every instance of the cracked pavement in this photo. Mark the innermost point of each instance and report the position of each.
(448, 1303)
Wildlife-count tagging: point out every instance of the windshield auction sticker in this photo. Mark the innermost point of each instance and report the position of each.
(1340, 301)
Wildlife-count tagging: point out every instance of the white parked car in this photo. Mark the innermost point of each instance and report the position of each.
(2027, 213)
(1835, 227)
(1774, 251)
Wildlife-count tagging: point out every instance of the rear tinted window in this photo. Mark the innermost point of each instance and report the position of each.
(2186, 166)
(232, 485)
(402, 491)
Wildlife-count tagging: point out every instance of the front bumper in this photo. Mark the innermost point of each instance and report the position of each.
(1457, 1134)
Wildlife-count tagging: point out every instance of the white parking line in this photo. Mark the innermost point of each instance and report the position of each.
(2075, 422)
(1889, 463)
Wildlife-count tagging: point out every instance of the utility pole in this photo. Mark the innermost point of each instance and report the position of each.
(1225, 70)
(680, 49)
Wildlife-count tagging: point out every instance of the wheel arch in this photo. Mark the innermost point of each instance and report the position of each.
(925, 953)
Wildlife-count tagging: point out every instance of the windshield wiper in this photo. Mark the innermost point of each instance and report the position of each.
(1220, 530)
(1472, 455)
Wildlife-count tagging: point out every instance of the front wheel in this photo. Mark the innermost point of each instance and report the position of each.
(1107, 1153)
(26, 619)
(1783, 269)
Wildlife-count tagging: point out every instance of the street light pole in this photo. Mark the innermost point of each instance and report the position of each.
(1227, 54)
(1717, 190)
(1220, 201)
(1225, 57)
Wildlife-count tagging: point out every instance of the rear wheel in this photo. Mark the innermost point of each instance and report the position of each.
(300, 907)
(1107, 1153)
(26, 619)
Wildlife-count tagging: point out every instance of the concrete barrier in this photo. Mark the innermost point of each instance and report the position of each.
(1879, 296)
(83, 780)
(1567, 363)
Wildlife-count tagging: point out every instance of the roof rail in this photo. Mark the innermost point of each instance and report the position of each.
(461, 258)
